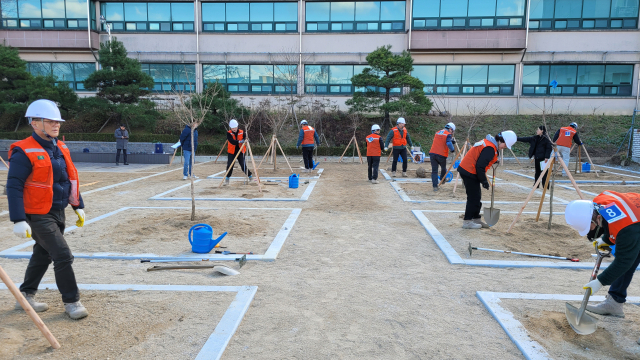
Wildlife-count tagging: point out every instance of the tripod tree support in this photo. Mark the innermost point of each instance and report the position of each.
(353, 139)
(515, 157)
(266, 154)
(221, 149)
(255, 169)
(233, 163)
(590, 161)
(544, 192)
(464, 151)
(283, 154)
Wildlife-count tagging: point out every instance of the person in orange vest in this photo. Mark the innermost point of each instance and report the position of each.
(308, 138)
(42, 181)
(473, 168)
(612, 218)
(563, 138)
(442, 144)
(374, 151)
(235, 139)
(399, 138)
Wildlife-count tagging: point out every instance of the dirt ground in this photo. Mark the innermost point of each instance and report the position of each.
(503, 192)
(209, 188)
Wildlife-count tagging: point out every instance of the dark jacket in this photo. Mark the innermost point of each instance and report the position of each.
(539, 146)
(185, 139)
(576, 138)
(120, 142)
(19, 171)
(627, 251)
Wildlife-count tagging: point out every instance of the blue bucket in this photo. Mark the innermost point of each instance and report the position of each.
(455, 165)
(293, 181)
(586, 167)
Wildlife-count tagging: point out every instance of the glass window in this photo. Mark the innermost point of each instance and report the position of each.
(340, 74)
(237, 11)
(29, 9)
(54, 9)
(135, 12)
(237, 74)
(184, 73)
(160, 11)
(474, 74)
(9, 9)
(261, 74)
(42, 69)
(426, 73)
(568, 8)
(392, 10)
(213, 73)
(563, 74)
(182, 12)
(212, 12)
(535, 74)
(63, 71)
(541, 9)
(590, 74)
(621, 8)
(596, 8)
(76, 9)
(501, 74)
(448, 74)
(342, 11)
(316, 74)
(317, 11)
(618, 74)
(83, 70)
(261, 12)
(482, 7)
(114, 12)
(285, 74)
(426, 8)
(287, 11)
(510, 8)
(453, 8)
(367, 11)
(161, 73)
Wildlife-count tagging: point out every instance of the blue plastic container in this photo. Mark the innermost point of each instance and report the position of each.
(315, 164)
(202, 241)
(293, 181)
(448, 177)
(586, 167)
(455, 165)
(159, 149)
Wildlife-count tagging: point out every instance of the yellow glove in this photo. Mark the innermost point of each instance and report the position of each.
(600, 244)
(80, 222)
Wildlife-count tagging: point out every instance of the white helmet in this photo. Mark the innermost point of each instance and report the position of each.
(578, 215)
(509, 137)
(303, 122)
(233, 123)
(375, 127)
(401, 121)
(574, 125)
(450, 126)
(44, 109)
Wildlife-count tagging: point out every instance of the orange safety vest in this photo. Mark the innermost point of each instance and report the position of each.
(309, 137)
(471, 158)
(439, 145)
(399, 139)
(38, 189)
(619, 210)
(565, 137)
(373, 145)
(231, 149)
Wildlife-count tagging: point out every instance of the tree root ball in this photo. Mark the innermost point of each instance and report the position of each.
(421, 172)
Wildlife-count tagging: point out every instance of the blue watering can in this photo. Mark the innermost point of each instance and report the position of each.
(203, 241)
(449, 176)
(315, 164)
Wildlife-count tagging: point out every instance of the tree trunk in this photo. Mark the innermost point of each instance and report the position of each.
(193, 161)
(386, 112)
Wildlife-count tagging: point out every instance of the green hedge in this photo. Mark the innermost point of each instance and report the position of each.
(152, 138)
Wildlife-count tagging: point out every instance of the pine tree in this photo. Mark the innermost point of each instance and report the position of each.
(15, 79)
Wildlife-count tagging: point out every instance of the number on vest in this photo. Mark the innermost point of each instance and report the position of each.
(567, 133)
(612, 213)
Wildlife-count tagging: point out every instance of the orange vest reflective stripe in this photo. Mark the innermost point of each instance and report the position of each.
(439, 145)
(309, 137)
(399, 137)
(373, 145)
(471, 158)
(231, 149)
(565, 137)
(619, 210)
(38, 189)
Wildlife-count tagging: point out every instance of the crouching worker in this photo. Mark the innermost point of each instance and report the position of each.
(442, 144)
(473, 169)
(374, 151)
(42, 181)
(612, 218)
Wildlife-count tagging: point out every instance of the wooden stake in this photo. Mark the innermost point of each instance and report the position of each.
(501, 157)
(533, 190)
(358, 148)
(285, 155)
(29, 310)
(254, 165)
(5, 164)
(553, 185)
(174, 155)
(274, 153)
(578, 161)
(232, 163)
(514, 155)
(544, 192)
(449, 169)
(345, 150)
(267, 153)
(464, 151)
(221, 149)
(564, 166)
(589, 157)
(390, 153)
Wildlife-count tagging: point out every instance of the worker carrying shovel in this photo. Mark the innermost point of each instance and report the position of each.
(42, 181)
(616, 219)
(374, 151)
(473, 169)
(442, 144)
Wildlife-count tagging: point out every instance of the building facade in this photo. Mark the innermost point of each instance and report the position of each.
(502, 56)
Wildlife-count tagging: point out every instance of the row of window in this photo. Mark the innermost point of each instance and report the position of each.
(148, 16)
(48, 14)
(581, 80)
(585, 14)
(466, 79)
(73, 73)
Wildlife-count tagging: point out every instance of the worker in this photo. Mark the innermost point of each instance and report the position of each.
(612, 218)
(185, 142)
(42, 181)
(308, 138)
(563, 138)
(235, 139)
(473, 169)
(374, 151)
(540, 150)
(401, 138)
(442, 144)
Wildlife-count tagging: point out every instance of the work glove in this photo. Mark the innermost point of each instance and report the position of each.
(594, 285)
(22, 229)
(485, 184)
(386, 149)
(600, 244)
(453, 141)
(80, 222)
(240, 141)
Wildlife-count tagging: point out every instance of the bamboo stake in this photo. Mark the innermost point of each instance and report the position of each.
(544, 192)
(589, 157)
(232, 163)
(514, 155)
(533, 190)
(274, 154)
(254, 166)
(221, 149)
(553, 185)
(345, 150)
(501, 157)
(578, 161)
(573, 182)
(5, 164)
(267, 153)
(464, 151)
(358, 148)
(285, 155)
(29, 310)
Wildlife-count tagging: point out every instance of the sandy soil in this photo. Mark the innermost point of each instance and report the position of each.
(619, 188)
(208, 188)
(546, 323)
(503, 192)
(583, 176)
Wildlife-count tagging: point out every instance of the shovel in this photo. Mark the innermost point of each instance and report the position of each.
(581, 323)
(491, 215)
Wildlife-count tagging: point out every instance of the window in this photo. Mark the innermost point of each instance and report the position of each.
(334, 79)
(172, 77)
(353, 16)
(464, 14)
(577, 80)
(47, 14)
(583, 14)
(256, 79)
(466, 79)
(250, 17)
(73, 73)
(152, 16)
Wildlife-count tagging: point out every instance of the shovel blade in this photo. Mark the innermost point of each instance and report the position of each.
(491, 216)
(587, 324)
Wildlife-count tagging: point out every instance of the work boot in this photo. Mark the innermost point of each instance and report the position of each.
(608, 307)
(226, 181)
(470, 224)
(37, 306)
(185, 177)
(479, 221)
(404, 174)
(393, 174)
(117, 164)
(374, 181)
(126, 163)
(435, 189)
(76, 310)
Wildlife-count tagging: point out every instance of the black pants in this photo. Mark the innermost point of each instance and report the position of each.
(538, 172)
(307, 156)
(437, 161)
(50, 245)
(374, 163)
(124, 153)
(240, 162)
(399, 152)
(474, 195)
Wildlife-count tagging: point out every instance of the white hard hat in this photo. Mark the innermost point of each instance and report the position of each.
(45, 109)
(303, 122)
(375, 127)
(400, 121)
(574, 125)
(451, 126)
(233, 123)
(578, 214)
(509, 137)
